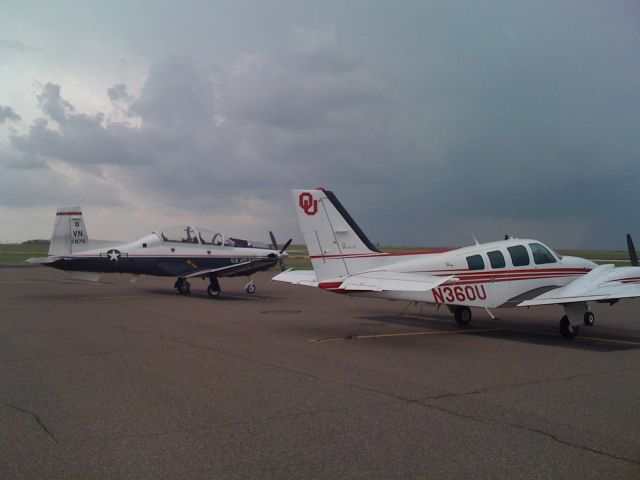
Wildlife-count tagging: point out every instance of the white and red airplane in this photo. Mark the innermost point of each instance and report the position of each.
(509, 273)
(183, 252)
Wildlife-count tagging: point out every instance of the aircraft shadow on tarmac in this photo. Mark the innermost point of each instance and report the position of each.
(503, 329)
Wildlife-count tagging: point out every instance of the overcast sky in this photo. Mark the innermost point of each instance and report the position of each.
(429, 120)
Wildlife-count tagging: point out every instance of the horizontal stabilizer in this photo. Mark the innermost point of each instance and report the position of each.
(298, 277)
(605, 282)
(42, 260)
(382, 280)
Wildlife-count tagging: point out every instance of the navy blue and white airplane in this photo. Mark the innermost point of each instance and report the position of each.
(183, 252)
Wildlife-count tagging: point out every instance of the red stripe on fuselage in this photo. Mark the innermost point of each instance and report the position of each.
(68, 213)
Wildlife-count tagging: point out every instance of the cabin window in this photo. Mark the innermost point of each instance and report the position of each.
(496, 258)
(144, 245)
(475, 262)
(519, 256)
(541, 254)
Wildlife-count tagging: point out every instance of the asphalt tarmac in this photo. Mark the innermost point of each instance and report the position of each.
(121, 380)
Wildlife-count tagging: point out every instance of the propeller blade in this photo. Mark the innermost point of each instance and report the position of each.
(274, 244)
(632, 251)
(286, 245)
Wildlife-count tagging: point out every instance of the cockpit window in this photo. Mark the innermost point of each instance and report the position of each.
(519, 256)
(179, 235)
(475, 262)
(496, 258)
(208, 237)
(541, 254)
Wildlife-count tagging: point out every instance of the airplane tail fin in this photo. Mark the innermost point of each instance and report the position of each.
(69, 233)
(336, 244)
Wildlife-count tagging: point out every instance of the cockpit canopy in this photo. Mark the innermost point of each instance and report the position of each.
(195, 235)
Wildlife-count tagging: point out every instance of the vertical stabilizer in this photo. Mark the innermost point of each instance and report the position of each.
(69, 233)
(337, 246)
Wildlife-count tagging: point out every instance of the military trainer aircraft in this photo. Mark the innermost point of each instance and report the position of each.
(183, 252)
(509, 273)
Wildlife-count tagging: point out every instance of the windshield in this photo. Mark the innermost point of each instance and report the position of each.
(179, 234)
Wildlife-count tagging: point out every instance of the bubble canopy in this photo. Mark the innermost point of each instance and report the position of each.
(193, 235)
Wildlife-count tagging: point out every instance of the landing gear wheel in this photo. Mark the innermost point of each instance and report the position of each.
(462, 315)
(250, 288)
(182, 286)
(214, 287)
(566, 329)
(589, 319)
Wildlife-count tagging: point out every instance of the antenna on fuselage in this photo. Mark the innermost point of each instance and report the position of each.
(474, 238)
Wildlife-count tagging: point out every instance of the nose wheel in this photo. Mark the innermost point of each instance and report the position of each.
(589, 319)
(250, 287)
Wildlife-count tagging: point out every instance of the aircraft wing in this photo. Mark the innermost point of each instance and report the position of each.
(298, 277)
(235, 269)
(605, 282)
(383, 280)
(377, 281)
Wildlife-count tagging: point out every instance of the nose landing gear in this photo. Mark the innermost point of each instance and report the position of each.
(250, 287)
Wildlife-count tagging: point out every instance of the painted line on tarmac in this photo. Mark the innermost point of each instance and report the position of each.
(534, 332)
(403, 334)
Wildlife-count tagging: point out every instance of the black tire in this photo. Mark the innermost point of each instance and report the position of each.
(250, 288)
(589, 319)
(182, 286)
(213, 291)
(566, 329)
(462, 315)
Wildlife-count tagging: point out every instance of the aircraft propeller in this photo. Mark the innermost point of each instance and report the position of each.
(632, 251)
(274, 244)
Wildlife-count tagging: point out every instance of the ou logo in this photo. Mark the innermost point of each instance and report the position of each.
(308, 203)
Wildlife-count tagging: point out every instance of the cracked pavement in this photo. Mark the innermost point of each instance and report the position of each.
(114, 380)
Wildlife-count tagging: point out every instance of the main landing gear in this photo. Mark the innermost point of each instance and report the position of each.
(214, 286)
(182, 286)
(576, 313)
(462, 315)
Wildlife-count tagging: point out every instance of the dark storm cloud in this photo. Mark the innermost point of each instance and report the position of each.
(52, 104)
(177, 93)
(7, 114)
(119, 93)
(449, 118)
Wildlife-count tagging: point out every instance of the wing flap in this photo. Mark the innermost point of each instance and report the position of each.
(605, 282)
(383, 280)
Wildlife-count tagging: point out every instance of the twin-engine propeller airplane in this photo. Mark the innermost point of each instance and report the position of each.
(509, 273)
(183, 252)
